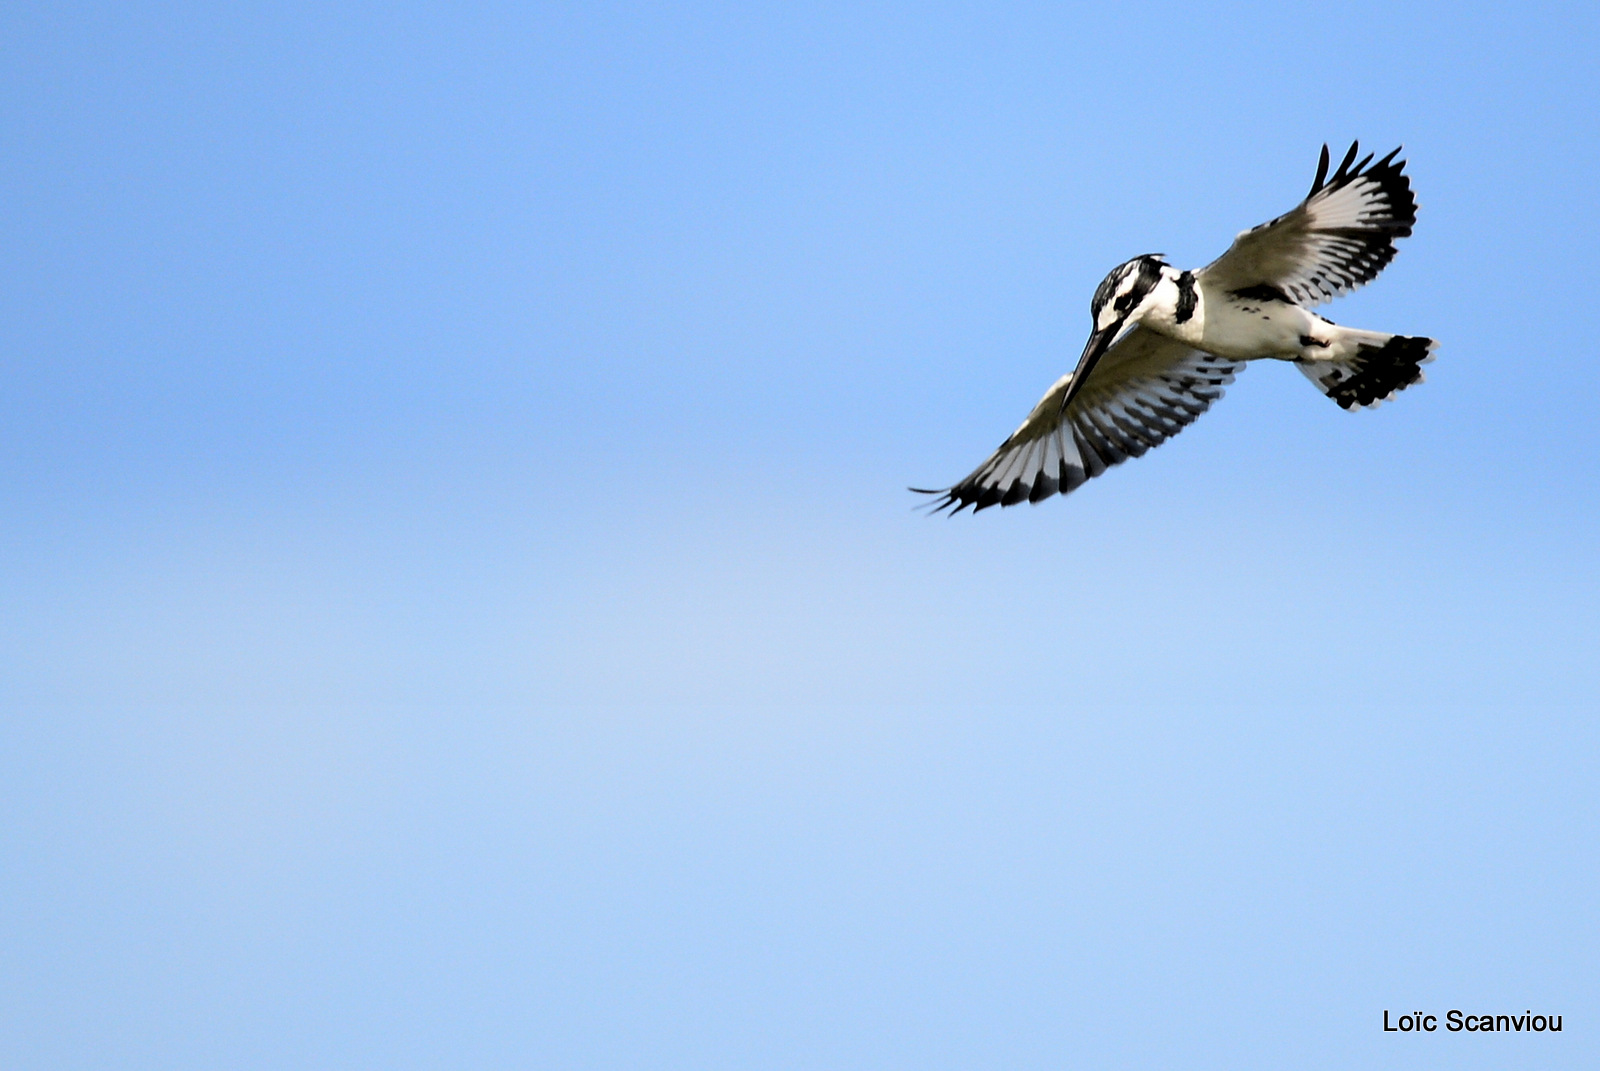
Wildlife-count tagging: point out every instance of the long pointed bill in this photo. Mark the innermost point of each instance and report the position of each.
(1099, 342)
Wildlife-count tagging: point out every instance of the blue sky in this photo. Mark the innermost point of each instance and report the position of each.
(462, 607)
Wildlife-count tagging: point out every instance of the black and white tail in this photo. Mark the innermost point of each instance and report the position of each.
(1373, 373)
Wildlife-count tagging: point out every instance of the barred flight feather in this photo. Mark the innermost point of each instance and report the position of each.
(1146, 390)
(1340, 237)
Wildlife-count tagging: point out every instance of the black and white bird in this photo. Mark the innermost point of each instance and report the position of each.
(1165, 342)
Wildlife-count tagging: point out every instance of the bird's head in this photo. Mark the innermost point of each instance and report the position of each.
(1119, 302)
(1121, 298)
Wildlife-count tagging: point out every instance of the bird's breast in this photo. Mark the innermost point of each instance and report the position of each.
(1246, 329)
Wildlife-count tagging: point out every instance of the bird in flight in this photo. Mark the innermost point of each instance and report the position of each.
(1165, 342)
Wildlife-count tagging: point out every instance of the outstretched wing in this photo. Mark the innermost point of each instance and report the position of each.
(1340, 237)
(1145, 390)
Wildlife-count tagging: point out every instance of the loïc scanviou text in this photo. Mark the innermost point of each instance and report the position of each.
(1457, 1021)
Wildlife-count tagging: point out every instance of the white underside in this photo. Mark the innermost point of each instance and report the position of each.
(1242, 329)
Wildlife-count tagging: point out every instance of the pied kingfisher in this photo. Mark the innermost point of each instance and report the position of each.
(1165, 342)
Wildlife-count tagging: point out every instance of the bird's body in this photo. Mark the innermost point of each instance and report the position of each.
(1248, 324)
(1165, 342)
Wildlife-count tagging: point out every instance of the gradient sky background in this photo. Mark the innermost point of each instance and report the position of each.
(461, 605)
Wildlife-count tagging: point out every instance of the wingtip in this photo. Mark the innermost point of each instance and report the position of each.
(1349, 158)
(1342, 171)
(937, 505)
(1322, 171)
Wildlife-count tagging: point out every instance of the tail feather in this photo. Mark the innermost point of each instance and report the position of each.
(1373, 373)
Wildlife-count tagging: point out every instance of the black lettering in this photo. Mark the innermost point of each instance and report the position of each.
(1386, 1026)
(1452, 1021)
(1430, 1023)
(1502, 1022)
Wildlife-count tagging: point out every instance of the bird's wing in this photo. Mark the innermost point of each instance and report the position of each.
(1145, 390)
(1340, 237)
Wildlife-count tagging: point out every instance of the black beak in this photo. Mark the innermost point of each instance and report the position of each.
(1093, 350)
